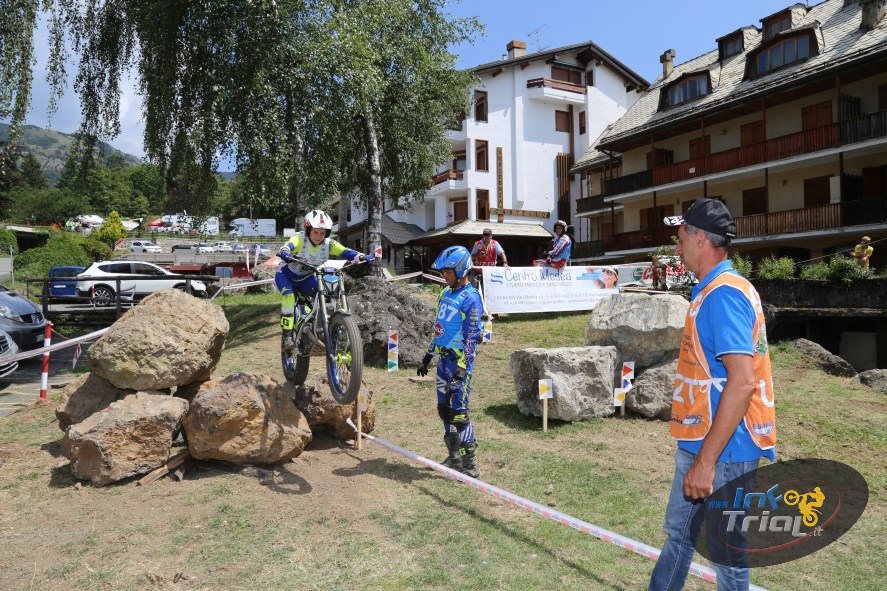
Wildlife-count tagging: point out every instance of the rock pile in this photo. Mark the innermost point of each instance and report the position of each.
(626, 327)
(120, 419)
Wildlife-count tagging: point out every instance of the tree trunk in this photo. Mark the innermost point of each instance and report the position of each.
(344, 207)
(374, 202)
(295, 139)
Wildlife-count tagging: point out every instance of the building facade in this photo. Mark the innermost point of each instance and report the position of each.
(785, 122)
(531, 116)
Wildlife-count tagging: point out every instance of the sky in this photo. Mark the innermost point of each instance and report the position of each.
(634, 32)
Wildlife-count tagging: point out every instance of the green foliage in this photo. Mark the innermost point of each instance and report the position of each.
(32, 173)
(772, 268)
(742, 265)
(62, 248)
(846, 270)
(818, 271)
(95, 249)
(8, 240)
(111, 230)
(46, 206)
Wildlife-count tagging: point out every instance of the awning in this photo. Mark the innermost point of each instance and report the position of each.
(471, 229)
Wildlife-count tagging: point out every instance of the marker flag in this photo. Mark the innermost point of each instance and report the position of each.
(546, 389)
(488, 331)
(625, 384)
(393, 350)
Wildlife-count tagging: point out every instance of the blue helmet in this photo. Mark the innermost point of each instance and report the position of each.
(456, 258)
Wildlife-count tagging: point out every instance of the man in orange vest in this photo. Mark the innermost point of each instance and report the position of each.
(723, 408)
(486, 251)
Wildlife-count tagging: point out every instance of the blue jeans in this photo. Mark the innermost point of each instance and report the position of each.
(673, 565)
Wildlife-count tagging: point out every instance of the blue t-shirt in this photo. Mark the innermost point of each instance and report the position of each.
(725, 325)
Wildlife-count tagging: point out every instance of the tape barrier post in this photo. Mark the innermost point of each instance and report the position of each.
(624, 386)
(393, 350)
(44, 374)
(698, 570)
(360, 407)
(546, 392)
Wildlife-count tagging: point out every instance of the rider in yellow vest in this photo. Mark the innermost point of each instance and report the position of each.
(723, 407)
(863, 251)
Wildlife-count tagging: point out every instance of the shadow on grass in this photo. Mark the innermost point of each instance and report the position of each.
(510, 416)
(281, 479)
(246, 319)
(403, 473)
(522, 538)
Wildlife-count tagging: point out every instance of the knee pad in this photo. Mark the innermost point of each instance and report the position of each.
(459, 418)
(287, 322)
(287, 304)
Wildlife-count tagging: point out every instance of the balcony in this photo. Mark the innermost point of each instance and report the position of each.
(857, 129)
(584, 250)
(819, 217)
(589, 204)
(447, 175)
(549, 89)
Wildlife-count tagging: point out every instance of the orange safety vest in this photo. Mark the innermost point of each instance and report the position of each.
(691, 408)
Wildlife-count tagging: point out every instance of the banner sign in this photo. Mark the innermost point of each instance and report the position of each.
(509, 290)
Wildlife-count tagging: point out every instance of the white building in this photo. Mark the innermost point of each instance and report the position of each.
(532, 116)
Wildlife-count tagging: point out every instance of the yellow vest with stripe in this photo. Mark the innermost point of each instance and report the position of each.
(691, 407)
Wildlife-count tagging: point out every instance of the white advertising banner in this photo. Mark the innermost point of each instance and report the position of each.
(512, 290)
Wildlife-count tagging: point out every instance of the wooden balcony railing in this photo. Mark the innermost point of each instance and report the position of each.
(854, 130)
(818, 217)
(587, 204)
(447, 175)
(555, 84)
(628, 183)
(592, 248)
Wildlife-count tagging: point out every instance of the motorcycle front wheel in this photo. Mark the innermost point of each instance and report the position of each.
(344, 358)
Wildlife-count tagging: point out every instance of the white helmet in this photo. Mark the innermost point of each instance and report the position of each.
(317, 219)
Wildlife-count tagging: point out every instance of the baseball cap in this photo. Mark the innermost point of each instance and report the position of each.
(710, 215)
(488, 232)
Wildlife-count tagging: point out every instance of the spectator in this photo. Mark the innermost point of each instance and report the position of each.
(862, 252)
(562, 246)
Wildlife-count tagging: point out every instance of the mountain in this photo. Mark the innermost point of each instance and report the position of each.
(51, 148)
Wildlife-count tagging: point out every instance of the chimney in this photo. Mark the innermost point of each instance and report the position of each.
(516, 49)
(872, 13)
(667, 61)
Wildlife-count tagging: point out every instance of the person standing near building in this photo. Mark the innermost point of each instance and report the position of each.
(862, 252)
(723, 408)
(486, 251)
(457, 334)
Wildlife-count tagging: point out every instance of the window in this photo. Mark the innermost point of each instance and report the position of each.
(589, 78)
(818, 115)
(483, 204)
(652, 217)
(700, 147)
(143, 269)
(566, 75)
(783, 53)
(480, 105)
(459, 161)
(562, 121)
(776, 25)
(116, 268)
(752, 133)
(582, 123)
(754, 201)
(817, 191)
(686, 89)
(481, 157)
(732, 45)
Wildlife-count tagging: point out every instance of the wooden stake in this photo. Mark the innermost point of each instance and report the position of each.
(174, 462)
(545, 415)
(622, 410)
(359, 436)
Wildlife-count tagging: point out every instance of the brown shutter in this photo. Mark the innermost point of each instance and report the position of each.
(817, 191)
(754, 201)
(460, 211)
(700, 147)
(872, 182)
(752, 133)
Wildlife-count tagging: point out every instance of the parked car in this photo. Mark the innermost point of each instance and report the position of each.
(184, 246)
(64, 288)
(204, 248)
(223, 247)
(95, 281)
(239, 248)
(21, 320)
(144, 246)
(7, 349)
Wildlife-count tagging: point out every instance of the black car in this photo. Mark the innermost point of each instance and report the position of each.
(21, 319)
(190, 246)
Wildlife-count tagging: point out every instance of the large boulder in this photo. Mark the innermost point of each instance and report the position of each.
(876, 379)
(652, 392)
(646, 329)
(246, 419)
(583, 379)
(266, 270)
(169, 339)
(821, 358)
(84, 396)
(379, 305)
(130, 437)
(324, 414)
(191, 390)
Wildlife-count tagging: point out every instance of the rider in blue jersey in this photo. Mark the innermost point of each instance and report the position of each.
(457, 332)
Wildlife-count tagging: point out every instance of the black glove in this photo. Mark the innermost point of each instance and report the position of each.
(422, 371)
(545, 253)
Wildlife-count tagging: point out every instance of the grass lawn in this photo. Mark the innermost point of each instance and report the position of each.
(338, 519)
